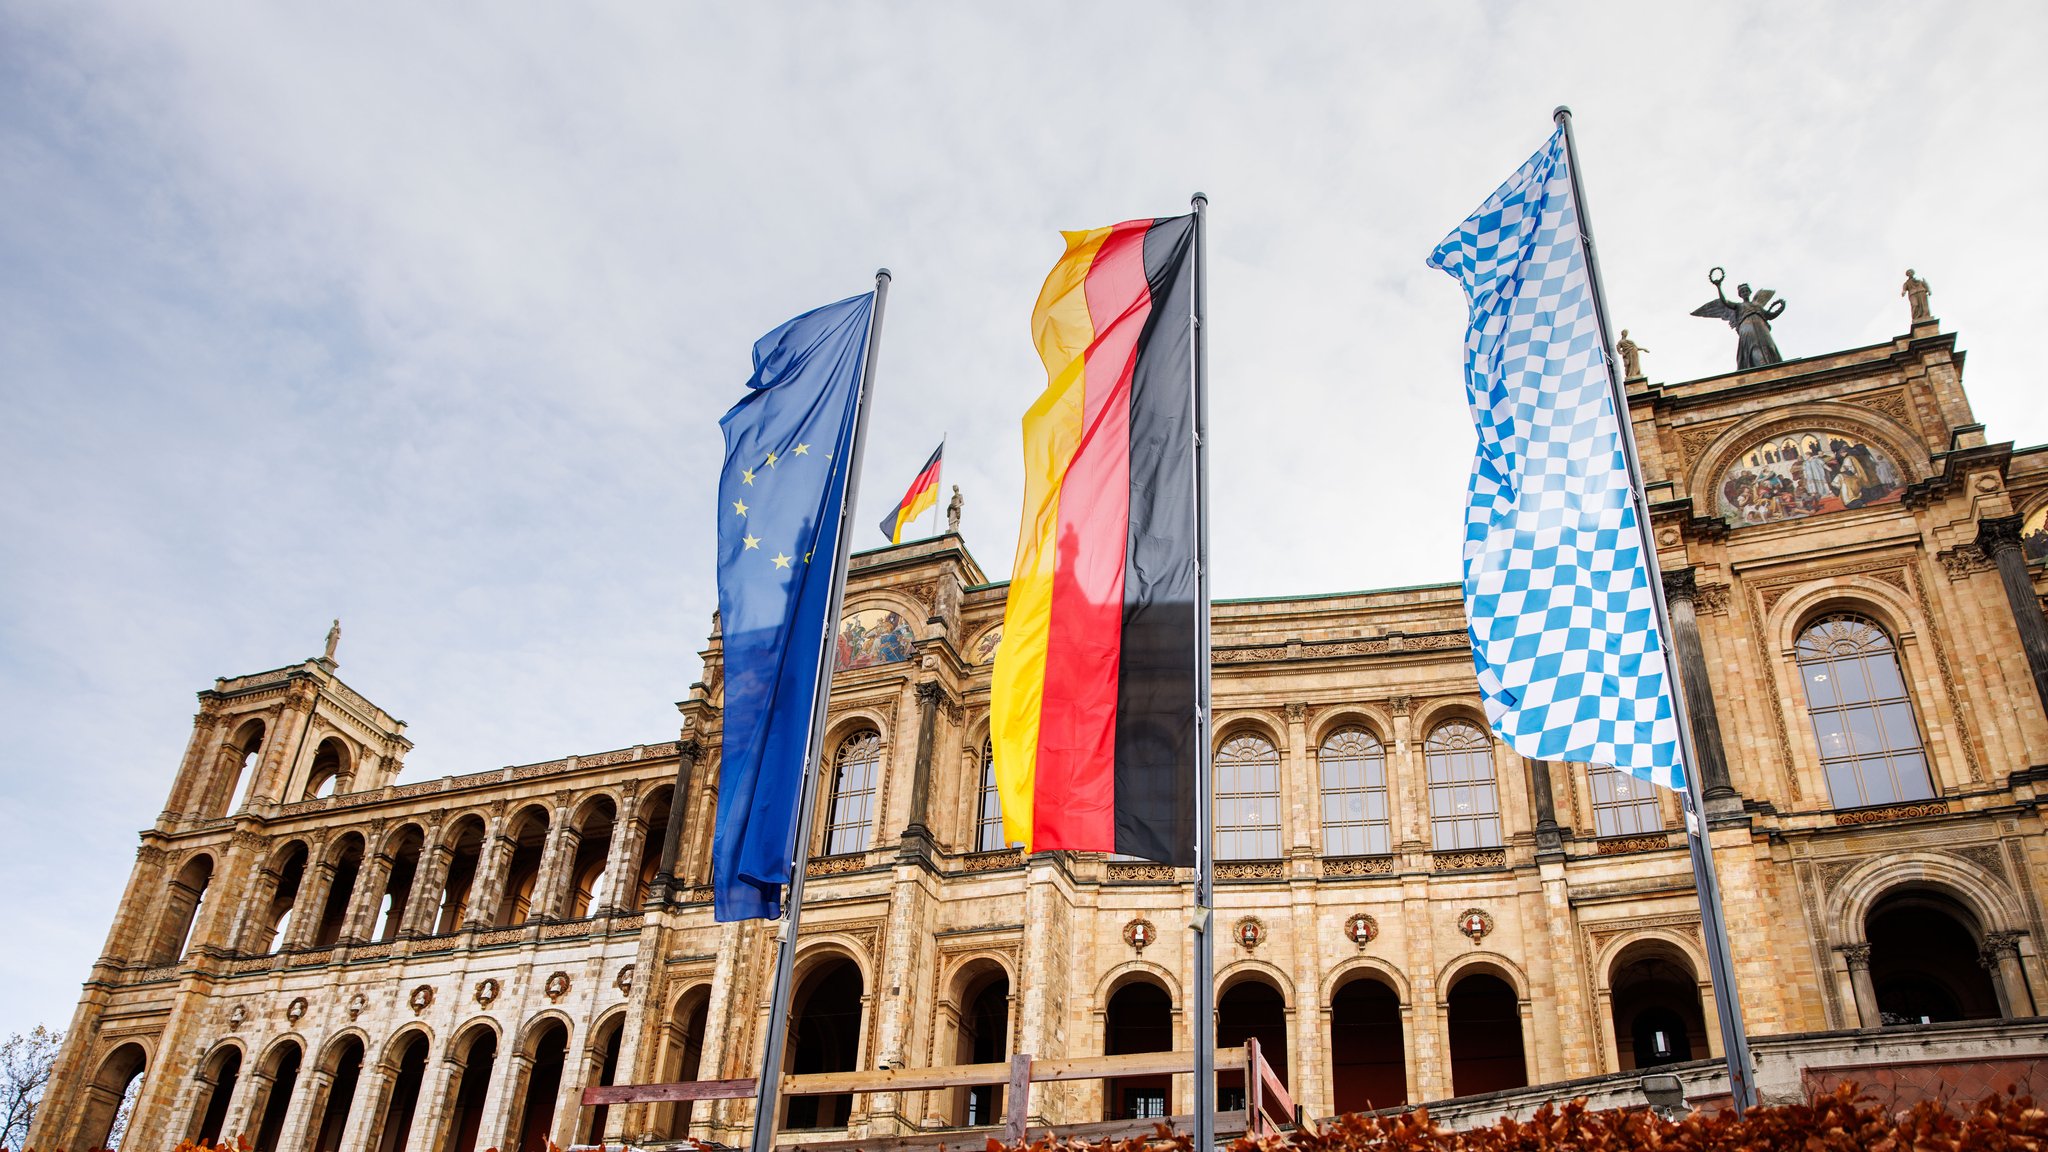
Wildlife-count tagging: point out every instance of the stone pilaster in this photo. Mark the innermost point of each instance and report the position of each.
(2000, 537)
(1709, 755)
(687, 752)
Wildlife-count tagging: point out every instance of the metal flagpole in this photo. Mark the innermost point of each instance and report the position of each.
(938, 483)
(1204, 922)
(769, 1088)
(1720, 963)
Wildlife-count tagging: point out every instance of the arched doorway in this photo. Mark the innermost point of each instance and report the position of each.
(592, 829)
(112, 1096)
(683, 1058)
(984, 1039)
(181, 910)
(603, 1069)
(479, 1057)
(1923, 960)
(547, 1051)
(281, 1071)
(528, 837)
(1138, 1018)
(220, 1076)
(395, 1130)
(1486, 1035)
(345, 1069)
(1250, 1009)
(825, 1025)
(1658, 1017)
(1368, 1051)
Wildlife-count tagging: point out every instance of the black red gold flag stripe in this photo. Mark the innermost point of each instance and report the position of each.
(1092, 720)
(918, 499)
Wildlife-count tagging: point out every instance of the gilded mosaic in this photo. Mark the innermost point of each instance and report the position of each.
(1805, 473)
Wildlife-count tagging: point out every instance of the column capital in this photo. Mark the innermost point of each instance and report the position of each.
(689, 749)
(1679, 584)
(1858, 955)
(1996, 534)
(931, 694)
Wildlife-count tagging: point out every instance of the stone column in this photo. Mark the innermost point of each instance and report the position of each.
(307, 907)
(1708, 753)
(371, 880)
(302, 1117)
(917, 836)
(439, 1082)
(2000, 537)
(687, 751)
(557, 860)
(1548, 837)
(421, 908)
(373, 1088)
(622, 856)
(2000, 956)
(494, 857)
(1858, 956)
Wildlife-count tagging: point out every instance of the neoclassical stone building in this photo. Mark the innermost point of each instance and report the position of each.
(321, 955)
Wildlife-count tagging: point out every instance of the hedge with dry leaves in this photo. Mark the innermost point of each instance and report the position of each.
(1835, 1123)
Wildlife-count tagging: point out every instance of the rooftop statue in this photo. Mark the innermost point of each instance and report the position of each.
(1751, 319)
(1915, 290)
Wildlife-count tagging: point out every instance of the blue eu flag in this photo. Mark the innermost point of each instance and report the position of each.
(787, 446)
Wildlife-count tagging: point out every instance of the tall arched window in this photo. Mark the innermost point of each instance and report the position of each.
(988, 809)
(1622, 804)
(852, 810)
(1464, 797)
(1247, 799)
(1862, 717)
(1355, 813)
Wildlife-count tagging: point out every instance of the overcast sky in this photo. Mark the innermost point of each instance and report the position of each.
(423, 316)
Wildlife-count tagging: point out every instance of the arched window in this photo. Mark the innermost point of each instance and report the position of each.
(852, 812)
(1622, 804)
(1862, 718)
(1464, 797)
(1355, 812)
(1247, 799)
(988, 810)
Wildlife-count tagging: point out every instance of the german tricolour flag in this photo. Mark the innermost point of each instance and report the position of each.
(1095, 683)
(917, 500)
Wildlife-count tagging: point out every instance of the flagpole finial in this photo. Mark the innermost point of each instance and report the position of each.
(1199, 200)
(883, 274)
(1561, 113)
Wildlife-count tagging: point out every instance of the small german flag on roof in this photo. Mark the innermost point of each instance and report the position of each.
(920, 498)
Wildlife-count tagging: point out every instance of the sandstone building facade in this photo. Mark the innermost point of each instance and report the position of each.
(319, 956)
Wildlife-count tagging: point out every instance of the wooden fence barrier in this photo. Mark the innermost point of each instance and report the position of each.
(1268, 1105)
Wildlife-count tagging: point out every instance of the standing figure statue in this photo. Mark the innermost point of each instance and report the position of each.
(1751, 319)
(1631, 357)
(333, 641)
(953, 512)
(1916, 292)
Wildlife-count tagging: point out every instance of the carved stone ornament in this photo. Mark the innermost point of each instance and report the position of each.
(236, 1016)
(625, 980)
(1475, 924)
(486, 991)
(1361, 929)
(296, 1010)
(556, 987)
(357, 1004)
(1140, 932)
(421, 999)
(1250, 932)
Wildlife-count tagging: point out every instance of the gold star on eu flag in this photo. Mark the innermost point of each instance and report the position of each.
(751, 541)
(780, 560)
(802, 450)
(740, 507)
(771, 459)
(746, 475)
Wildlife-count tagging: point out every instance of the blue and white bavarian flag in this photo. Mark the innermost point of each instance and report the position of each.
(1557, 594)
(787, 445)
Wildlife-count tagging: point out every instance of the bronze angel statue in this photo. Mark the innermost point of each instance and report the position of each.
(1750, 317)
